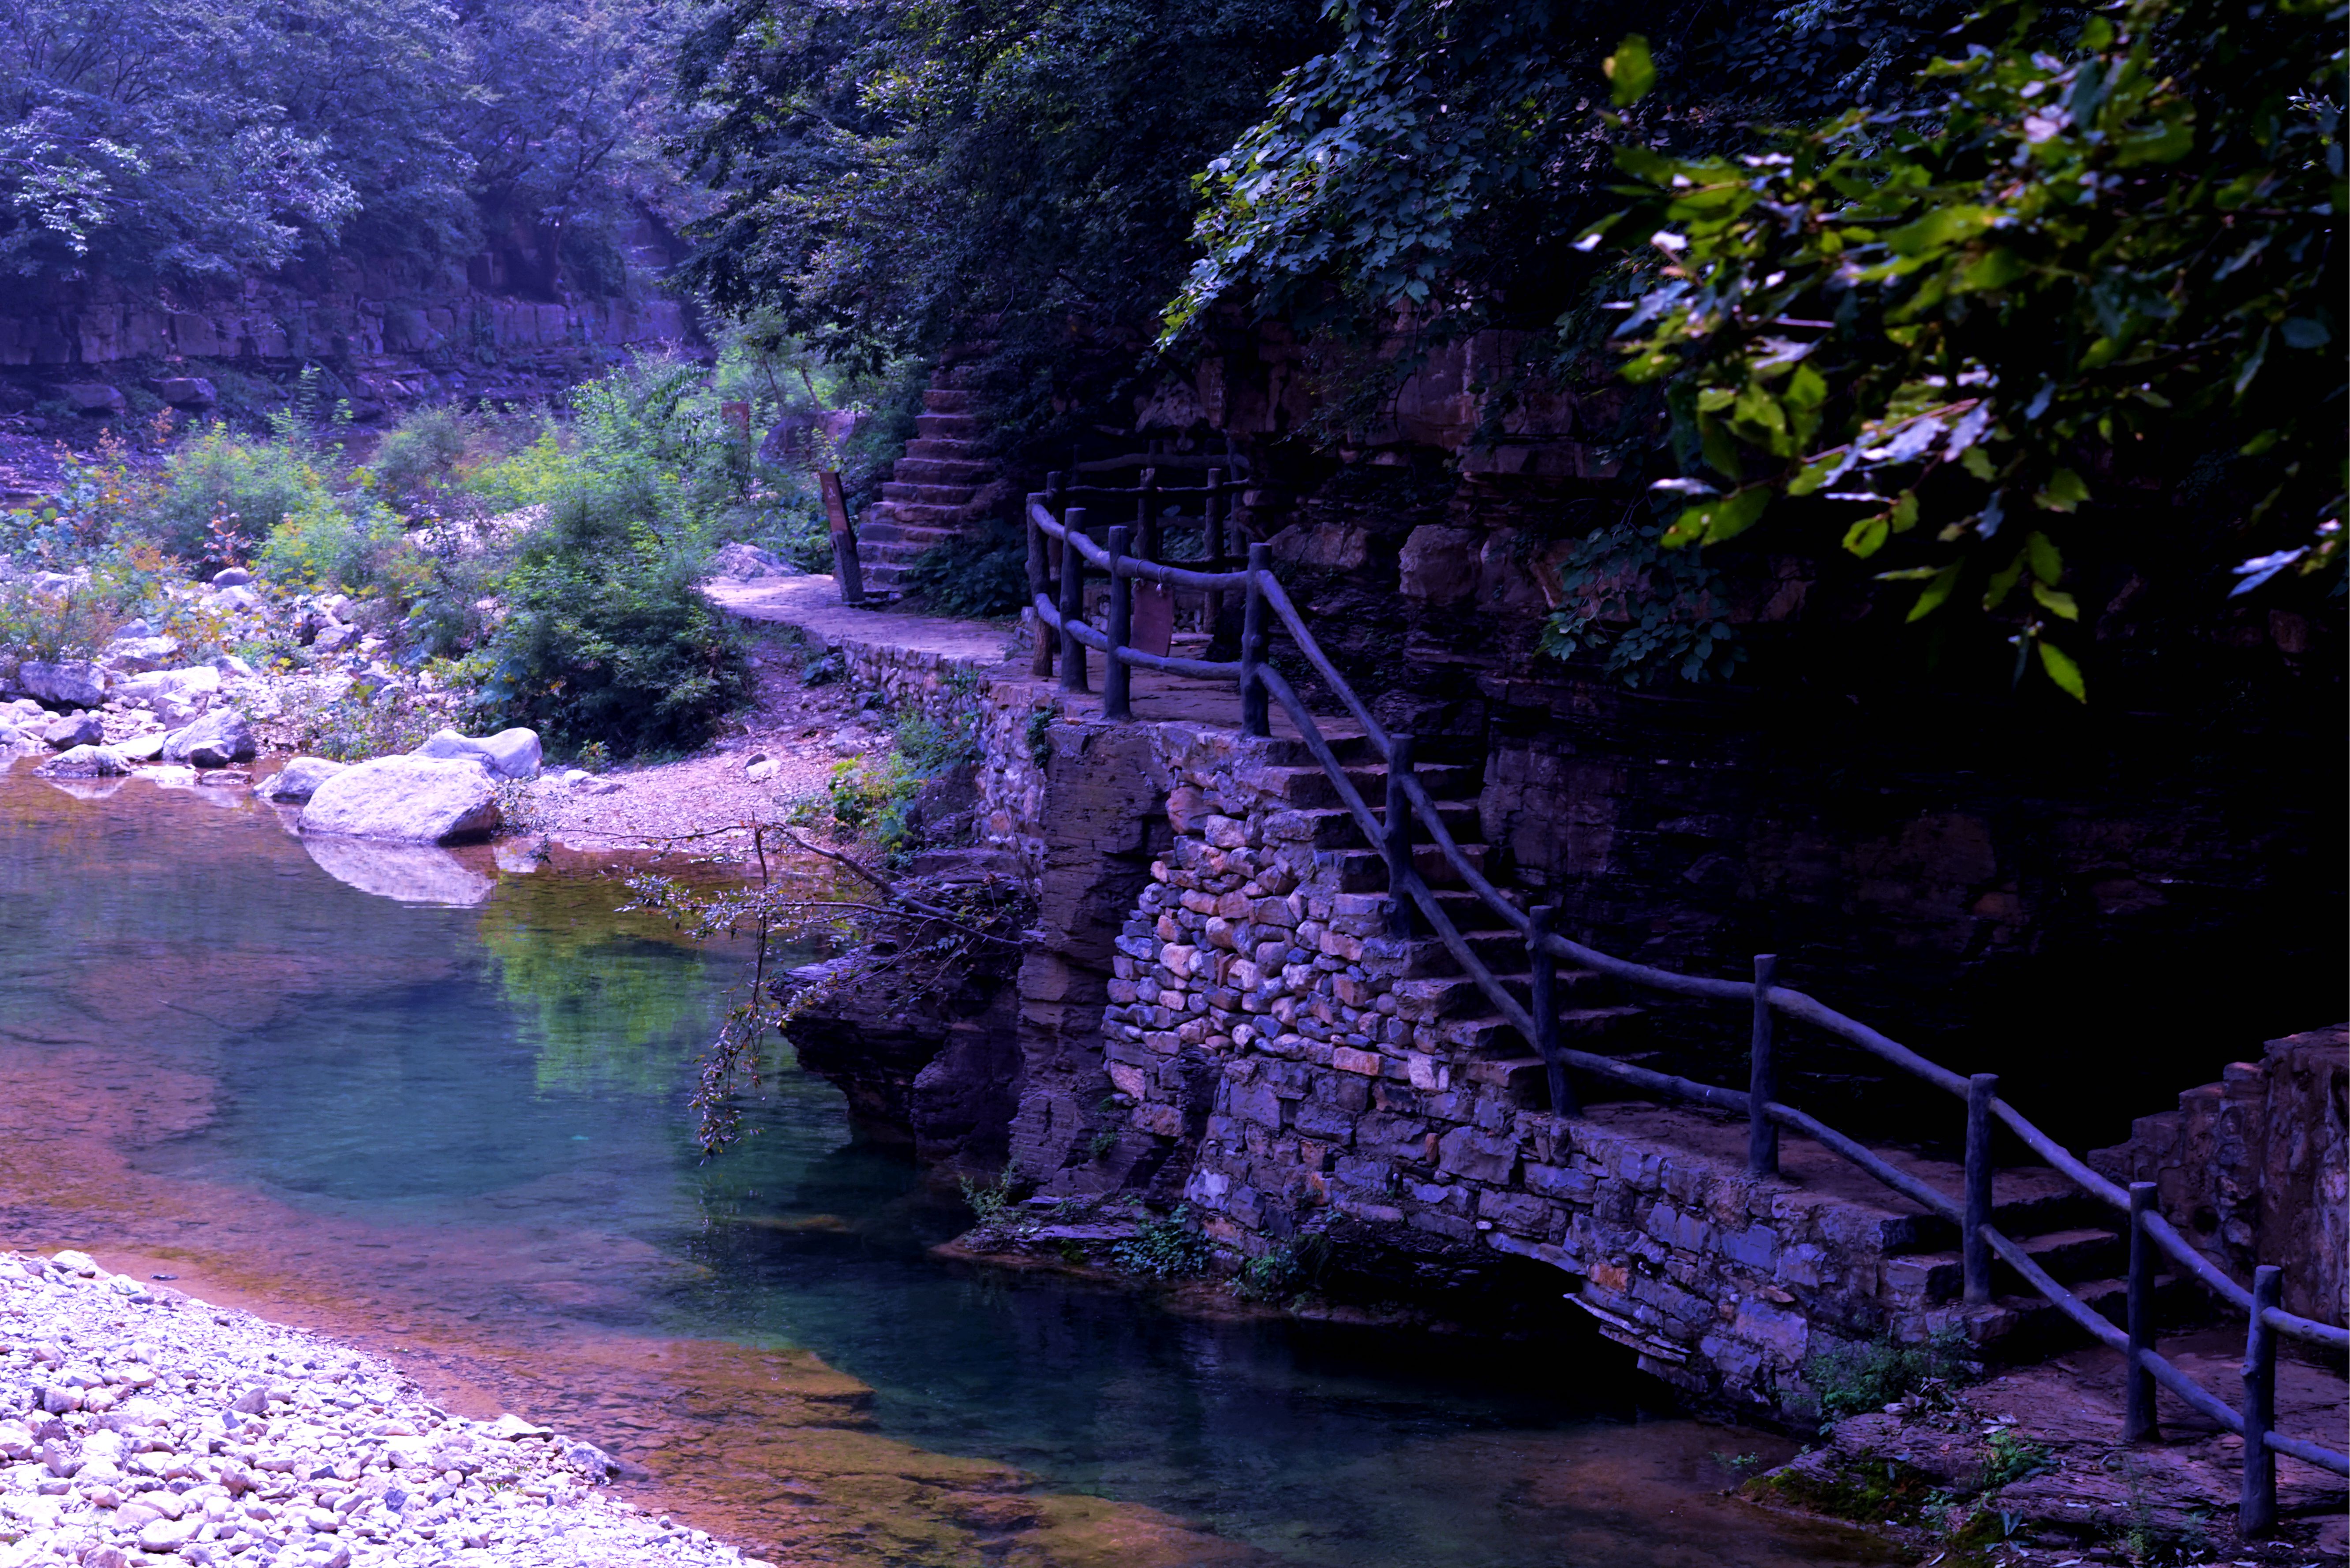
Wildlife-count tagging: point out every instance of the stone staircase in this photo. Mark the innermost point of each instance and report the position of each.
(937, 491)
(1432, 991)
(2067, 1232)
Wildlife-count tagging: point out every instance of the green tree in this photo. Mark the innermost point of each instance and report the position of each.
(1968, 336)
(888, 176)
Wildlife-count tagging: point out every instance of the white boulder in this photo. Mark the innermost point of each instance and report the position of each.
(214, 741)
(407, 800)
(509, 753)
(299, 780)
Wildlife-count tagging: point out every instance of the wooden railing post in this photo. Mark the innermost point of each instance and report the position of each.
(2137, 1416)
(1145, 518)
(1256, 718)
(2256, 1507)
(1040, 560)
(1118, 676)
(1396, 840)
(1973, 1250)
(1073, 602)
(1762, 1077)
(1218, 558)
(1542, 1001)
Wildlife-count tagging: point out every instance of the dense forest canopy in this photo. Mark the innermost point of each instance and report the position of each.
(185, 140)
(2016, 304)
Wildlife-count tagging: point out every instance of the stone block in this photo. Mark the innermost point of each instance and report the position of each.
(1159, 1121)
(1562, 1182)
(1443, 1225)
(1328, 1123)
(1782, 1333)
(1478, 1156)
(1757, 1247)
(1257, 1102)
(1347, 1059)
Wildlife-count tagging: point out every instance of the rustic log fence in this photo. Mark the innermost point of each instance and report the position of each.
(1060, 551)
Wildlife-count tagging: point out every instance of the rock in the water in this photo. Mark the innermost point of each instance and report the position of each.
(407, 800)
(407, 873)
(509, 753)
(77, 682)
(146, 748)
(299, 780)
(84, 762)
(214, 741)
(75, 730)
(744, 561)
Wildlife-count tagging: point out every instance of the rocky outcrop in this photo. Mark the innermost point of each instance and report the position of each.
(407, 800)
(510, 754)
(2257, 1168)
(77, 683)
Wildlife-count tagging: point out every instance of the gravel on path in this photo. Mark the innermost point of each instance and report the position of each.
(140, 1427)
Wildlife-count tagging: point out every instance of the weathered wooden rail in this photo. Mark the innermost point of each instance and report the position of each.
(1060, 551)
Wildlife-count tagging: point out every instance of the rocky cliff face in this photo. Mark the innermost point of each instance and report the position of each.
(391, 332)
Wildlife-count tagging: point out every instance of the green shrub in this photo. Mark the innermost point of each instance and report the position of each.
(251, 487)
(1853, 1379)
(353, 543)
(530, 476)
(1165, 1248)
(605, 635)
(421, 452)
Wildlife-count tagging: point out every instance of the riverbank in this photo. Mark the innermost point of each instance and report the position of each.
(156, 1426)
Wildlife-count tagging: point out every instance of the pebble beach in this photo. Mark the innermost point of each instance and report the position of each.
(139, 1426)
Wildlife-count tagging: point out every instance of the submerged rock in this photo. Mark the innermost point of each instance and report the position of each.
(407, 800)
(84, 762)
(509, 753)
(214, 741)
(299, 780)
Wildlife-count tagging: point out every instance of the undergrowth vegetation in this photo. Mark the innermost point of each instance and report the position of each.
(543, 563)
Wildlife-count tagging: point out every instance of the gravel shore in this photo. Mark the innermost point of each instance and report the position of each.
(141, 1427)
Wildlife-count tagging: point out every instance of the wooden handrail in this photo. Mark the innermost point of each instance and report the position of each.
(1408, 795)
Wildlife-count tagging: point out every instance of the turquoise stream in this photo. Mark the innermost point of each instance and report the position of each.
(506, 1079)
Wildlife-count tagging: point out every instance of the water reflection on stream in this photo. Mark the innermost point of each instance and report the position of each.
(455, 1130)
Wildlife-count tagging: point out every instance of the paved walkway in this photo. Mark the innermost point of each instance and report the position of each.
(999, 649)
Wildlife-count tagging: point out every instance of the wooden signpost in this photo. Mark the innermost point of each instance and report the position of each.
(844, 569)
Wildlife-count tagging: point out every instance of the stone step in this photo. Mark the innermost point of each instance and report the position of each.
(946, 400)
(2026, 1326)
(1468, 911)
(1334, 826)
(950, 427)
(1312, 786)
(1930, 1279)
(945, 447)
(1366, 871)
(2047, 1213)
(942, 471)
(882, 575)
(929, 494)
(919, 513)
(1502, 951)
(1427, 1001)
(921, 535)
(1489, 1036)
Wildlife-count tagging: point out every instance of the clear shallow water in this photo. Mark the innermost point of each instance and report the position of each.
(475, 1114)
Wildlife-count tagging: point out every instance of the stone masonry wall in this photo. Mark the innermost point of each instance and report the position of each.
(1240, 1036)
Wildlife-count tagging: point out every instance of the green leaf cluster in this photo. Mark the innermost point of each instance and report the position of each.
(2078, 255)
